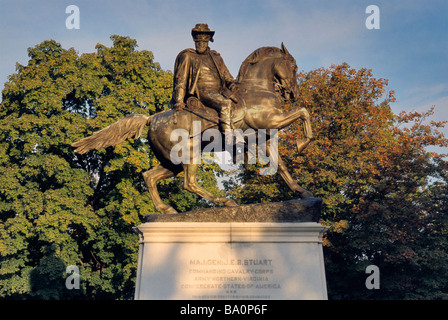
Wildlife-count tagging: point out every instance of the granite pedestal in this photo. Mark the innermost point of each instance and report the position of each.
(263, 251)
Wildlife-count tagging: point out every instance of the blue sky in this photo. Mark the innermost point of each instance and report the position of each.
(410, 49)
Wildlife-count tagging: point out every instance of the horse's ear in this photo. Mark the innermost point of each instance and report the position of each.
(284, 50)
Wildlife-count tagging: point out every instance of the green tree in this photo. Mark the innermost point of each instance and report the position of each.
(58, 208)
(376, 177)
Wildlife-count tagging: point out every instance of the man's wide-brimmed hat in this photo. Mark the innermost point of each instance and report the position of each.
(202, 28)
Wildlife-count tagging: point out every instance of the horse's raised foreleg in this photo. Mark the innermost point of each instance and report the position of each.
(280, 120)
(191, 184)
(284, 173)
(151, 178)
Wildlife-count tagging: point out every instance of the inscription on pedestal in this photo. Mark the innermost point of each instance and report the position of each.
(231, 278)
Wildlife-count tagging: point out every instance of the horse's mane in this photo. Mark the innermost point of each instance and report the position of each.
(256, 56)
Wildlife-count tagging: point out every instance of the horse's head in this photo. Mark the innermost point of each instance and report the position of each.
(285, 73)
(274, 65)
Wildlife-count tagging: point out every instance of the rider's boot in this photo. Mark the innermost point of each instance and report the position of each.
(226, 124)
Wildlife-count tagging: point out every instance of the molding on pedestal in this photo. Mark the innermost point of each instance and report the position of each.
(206, 232)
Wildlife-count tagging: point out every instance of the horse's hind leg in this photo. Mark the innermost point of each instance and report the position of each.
(191, 184)
(152, 177)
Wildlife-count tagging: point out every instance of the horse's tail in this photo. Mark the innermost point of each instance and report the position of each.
(130, 127)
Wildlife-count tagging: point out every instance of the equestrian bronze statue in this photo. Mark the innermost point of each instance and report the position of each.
(205, 93)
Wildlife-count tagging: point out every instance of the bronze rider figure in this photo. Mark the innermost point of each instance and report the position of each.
(202, 74)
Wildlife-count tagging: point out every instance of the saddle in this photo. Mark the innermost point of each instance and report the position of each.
(210, 117)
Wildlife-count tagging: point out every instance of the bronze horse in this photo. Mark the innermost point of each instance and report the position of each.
(265, 72)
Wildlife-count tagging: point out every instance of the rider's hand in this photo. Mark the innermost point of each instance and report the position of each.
(179, 106)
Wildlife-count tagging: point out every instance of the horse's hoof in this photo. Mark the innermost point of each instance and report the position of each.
(306, 195)
(230, 203)
(302, 144)
(170, 210)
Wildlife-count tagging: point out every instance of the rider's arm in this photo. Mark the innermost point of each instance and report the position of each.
(181, 68)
